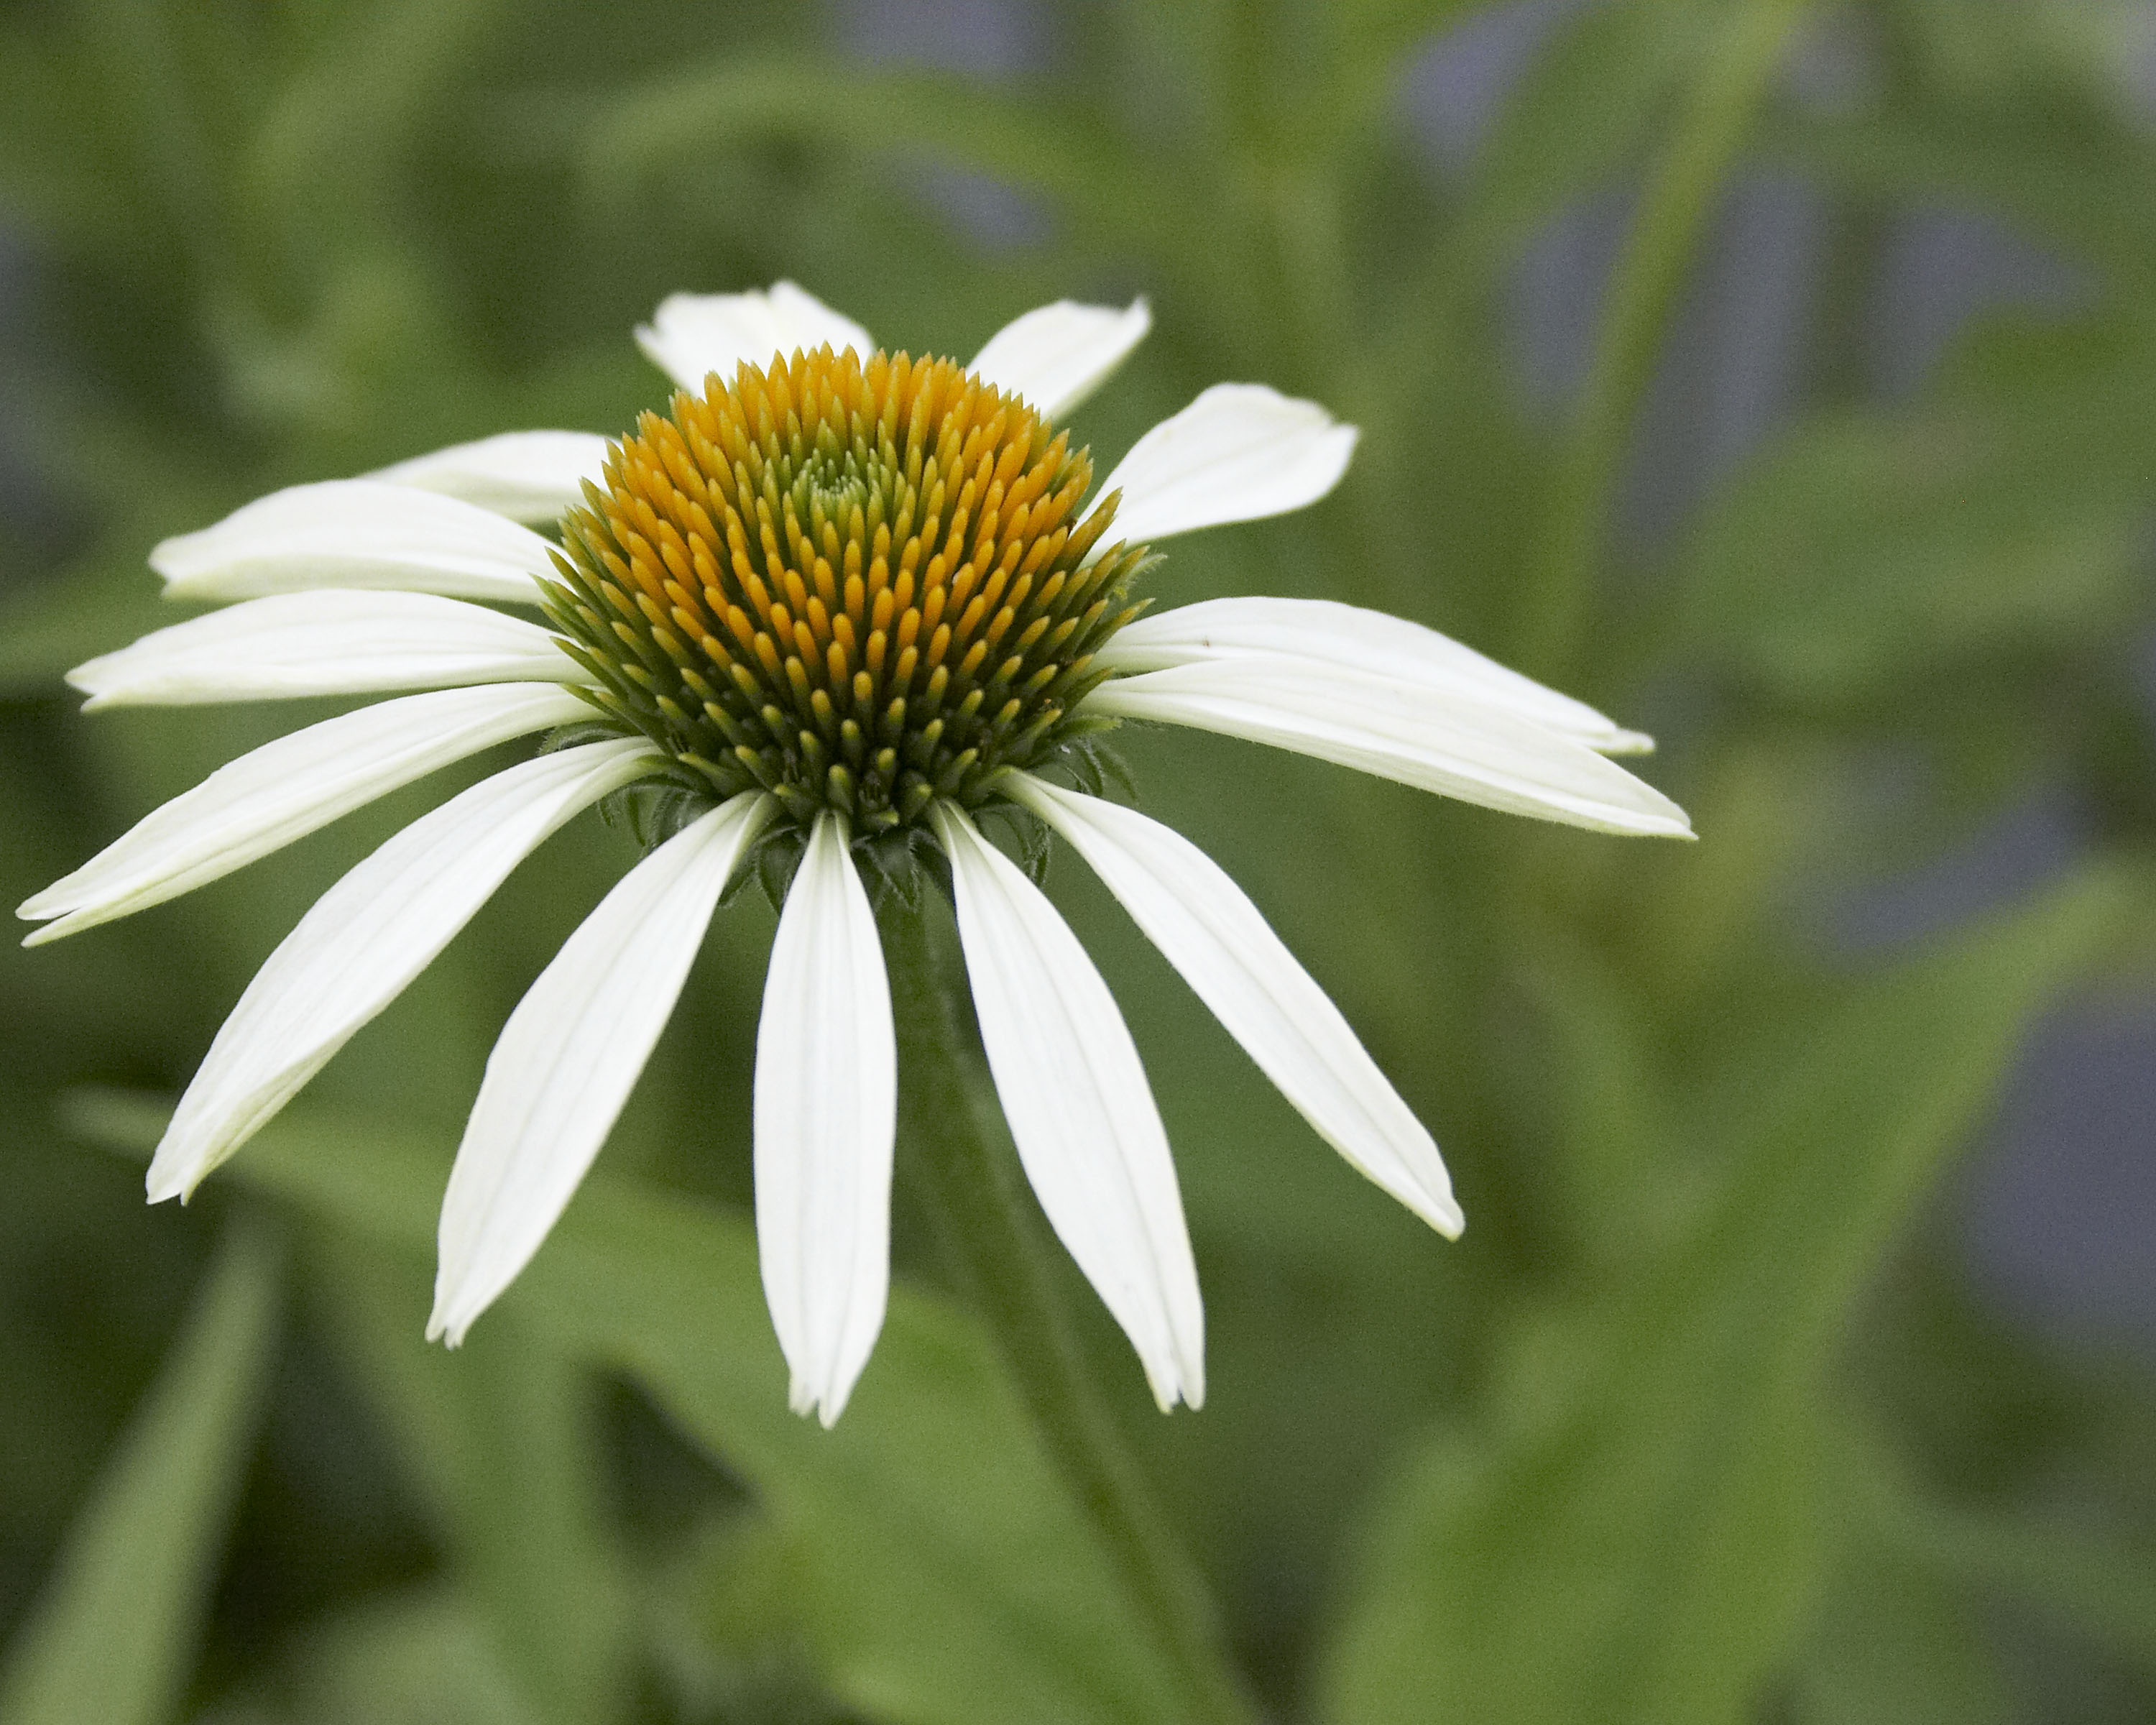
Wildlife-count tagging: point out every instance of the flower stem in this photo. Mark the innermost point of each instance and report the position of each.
(952, 1129)
(1676, 204)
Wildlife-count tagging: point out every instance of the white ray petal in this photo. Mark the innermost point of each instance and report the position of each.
(285, 789)
(826, 1112)
(357, 533)
(1456, 745)
(691, 335)
(526, 475)
(1239, 452)
(1211, 933)
(327, 643)
(569, 1056)
(1079, 1109)
(1055, 355)
(364, 941)
(1357, 639)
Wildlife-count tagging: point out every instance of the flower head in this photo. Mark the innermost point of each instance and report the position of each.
(836, 602)
(858, 584)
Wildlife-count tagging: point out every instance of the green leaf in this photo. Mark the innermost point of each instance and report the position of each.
(950, 1578)
(2023, 109)
(1904, 1636)
(112, 1638)
(57, 624)
(2099, 1584)
(1582, 115)
(500, 1439)
(1069, 153)
(1898, 1646)
(1641, 1542)
(2008, 507)
(421, 1657)
(368, 91)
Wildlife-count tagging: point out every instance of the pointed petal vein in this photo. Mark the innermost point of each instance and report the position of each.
(1456, 745)
(1079, 1109)
(285, 789)
(1239, 452)
(326, 643)
(826, 1114)
(529, 476)
(1326, 634)
(1210, 932)
(691, 335)
(1056, 356)
(357, 533)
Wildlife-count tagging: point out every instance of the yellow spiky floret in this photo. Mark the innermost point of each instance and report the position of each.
(857, 584)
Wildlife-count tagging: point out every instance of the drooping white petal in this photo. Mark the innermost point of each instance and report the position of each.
(357, 533)
(1239, 452)
(569, 1057)
(1210, 932)
(285, 789)
(1079, 1109)
(1055, 355)
(526, 475)
(1456, 745)
(328, 643)
(364, 941)
(826, 1112)
(691, 335)
(1357, 639)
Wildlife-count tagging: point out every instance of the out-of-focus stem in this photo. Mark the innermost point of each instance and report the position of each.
(951, 1123)
(1675, 203)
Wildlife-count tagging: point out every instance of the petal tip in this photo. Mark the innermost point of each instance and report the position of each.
(165, 553)
(1180, 1386)
(164, 1191)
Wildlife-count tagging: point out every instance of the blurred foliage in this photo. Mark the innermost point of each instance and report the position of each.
(1699, 1423)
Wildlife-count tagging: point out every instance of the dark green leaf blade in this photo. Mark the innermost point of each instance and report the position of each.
(948, 1577)
(500, 1440)
(112, 1636)
(1643, 1543)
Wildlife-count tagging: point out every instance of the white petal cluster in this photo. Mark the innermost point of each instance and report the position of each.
(571, 1053)
(364, 941)
(366, 586)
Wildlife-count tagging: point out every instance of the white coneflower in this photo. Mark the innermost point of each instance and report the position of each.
(840, 603)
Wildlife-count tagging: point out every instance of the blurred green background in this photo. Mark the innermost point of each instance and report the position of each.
(1782, 379)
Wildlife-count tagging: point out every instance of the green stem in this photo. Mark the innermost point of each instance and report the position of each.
(954, 1130)
(1676, 204)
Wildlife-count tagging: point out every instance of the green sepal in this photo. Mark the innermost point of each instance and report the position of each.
(1029, 843)
(777, 855)
(899, 863)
